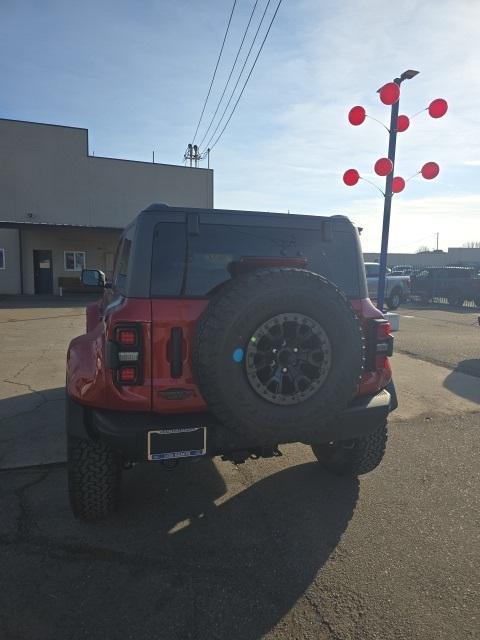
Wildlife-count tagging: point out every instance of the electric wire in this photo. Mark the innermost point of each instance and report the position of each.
(215, 70)
(230, 74)
(248, 76)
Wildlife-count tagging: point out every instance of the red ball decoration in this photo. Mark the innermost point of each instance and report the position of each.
(383, 167)
(438, 108)
(390, 93)
(398, 184)
(356, 115)
(403, 123)
(351, 177)
(430, 170)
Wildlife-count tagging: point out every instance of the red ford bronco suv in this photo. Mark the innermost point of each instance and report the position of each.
(226, 333)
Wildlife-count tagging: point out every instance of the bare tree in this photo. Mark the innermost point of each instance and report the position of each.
(474, 244)
(423, 249)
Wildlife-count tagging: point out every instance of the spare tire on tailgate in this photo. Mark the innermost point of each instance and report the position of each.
(277, 354)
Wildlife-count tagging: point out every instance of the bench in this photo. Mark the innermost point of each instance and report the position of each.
(75, 285)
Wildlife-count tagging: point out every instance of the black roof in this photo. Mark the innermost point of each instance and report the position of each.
(293, 218)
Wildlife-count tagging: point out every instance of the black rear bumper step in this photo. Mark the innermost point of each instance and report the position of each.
(127, 431)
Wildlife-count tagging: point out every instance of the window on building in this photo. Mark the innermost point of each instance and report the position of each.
(75, 260)
(2, 258)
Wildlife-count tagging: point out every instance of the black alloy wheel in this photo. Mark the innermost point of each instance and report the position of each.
(288, 358)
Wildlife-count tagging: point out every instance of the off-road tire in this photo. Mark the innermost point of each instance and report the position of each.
(94, 479)
(353, 457)
(394, 300)
(226, 327)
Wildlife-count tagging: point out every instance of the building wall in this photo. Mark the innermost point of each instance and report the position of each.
(464, 254)
(10, 276)
(46, 175)
(96, 243)
(414, 259)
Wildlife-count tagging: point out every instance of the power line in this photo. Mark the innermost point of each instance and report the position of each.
(248, 77)
(230, 74)
(215, 70)
(412, 242)
(240, 74)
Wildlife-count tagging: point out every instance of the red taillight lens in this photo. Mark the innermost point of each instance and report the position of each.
(384, 330)
(127, 337)
(127, 375)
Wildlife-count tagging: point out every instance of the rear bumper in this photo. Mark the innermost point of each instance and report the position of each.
(127, 431)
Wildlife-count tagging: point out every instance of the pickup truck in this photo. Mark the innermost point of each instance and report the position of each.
(456, 284)
(397, 288)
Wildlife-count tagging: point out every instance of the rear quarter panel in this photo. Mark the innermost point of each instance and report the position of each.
(90, 382)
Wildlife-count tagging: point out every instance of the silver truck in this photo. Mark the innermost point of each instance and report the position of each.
(397, 288)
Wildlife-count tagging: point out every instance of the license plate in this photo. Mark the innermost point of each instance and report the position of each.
(168, 444)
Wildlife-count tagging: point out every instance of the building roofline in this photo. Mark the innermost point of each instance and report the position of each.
(66, 126)
(44, 124)
(160, 164)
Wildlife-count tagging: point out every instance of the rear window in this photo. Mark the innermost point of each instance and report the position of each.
(194, 265)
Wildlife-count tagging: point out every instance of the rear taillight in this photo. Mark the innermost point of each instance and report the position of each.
(124, 354)
(379, 344)
(126, 337)
(127, 375)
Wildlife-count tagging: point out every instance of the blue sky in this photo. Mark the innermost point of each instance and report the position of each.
(135, 73)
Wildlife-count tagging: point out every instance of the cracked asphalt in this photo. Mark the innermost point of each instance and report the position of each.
(273, 549)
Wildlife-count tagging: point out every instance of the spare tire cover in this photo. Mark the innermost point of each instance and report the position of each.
(277, 354)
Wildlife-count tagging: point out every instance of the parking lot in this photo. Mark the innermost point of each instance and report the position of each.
(271, 549)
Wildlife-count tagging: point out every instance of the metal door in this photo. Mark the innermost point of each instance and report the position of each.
(42, 270)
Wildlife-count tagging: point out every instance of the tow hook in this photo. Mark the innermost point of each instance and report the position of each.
(170, 464)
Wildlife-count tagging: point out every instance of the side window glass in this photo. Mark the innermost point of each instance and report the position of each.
(123, 261)
(116, 264)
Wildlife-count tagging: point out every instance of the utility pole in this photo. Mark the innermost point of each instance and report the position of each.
(192, 155)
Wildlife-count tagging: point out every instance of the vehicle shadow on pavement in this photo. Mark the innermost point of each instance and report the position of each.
(468, 388)
(32, 429)
(184, 558)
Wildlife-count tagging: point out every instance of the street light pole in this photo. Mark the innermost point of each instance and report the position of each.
(387, 207)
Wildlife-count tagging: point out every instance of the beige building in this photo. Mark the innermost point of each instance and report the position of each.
(62, 209)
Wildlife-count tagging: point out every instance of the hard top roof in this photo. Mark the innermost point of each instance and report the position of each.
(159, 208)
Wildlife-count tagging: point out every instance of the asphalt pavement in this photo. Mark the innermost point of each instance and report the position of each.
(442, 335)
(273, 549)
